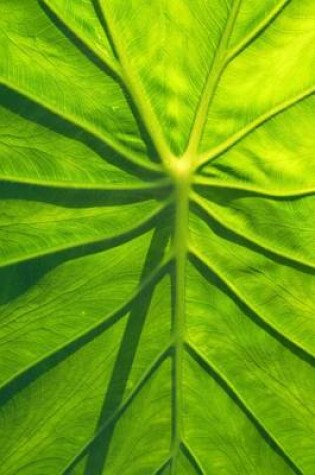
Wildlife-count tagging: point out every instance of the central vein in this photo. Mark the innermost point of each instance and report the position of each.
(182, 182)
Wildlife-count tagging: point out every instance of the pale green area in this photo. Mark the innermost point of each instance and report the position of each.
(157, 237)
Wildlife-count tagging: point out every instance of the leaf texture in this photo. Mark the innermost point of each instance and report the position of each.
(157, 237)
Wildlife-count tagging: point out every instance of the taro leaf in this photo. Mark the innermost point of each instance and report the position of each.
(157, 237)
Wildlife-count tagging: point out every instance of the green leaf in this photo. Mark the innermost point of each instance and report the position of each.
(157, 237)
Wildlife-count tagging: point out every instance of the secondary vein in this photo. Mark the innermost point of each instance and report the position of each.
(212, 154)
(208, 182)
(229, 388)
(153, 368)
(249, 237)
(105, 59)
(24, 377)
(280, 333)
(133, 85)
(265, 23)
(102, 241)
(216, 70)
(85, 127)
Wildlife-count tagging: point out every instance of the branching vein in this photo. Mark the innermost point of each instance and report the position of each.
(108, 62)
(234, 291)
(72, 120)
(251, 239)
(256, 32)
(210, 155)
(216, 70)
(96, 244)
(192, 457)
(136, 91)
(243, 404)
(72, 185)
(151, 370)
(21, 379)
(210, 183)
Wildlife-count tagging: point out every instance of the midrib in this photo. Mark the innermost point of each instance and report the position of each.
(180, 170)
(182, 184)
(182, 173)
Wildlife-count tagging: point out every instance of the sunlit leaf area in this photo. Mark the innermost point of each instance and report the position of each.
(157, 238)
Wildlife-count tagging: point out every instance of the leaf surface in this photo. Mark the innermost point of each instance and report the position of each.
(157, 237)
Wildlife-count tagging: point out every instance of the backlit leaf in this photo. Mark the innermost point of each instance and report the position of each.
(157, 237)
